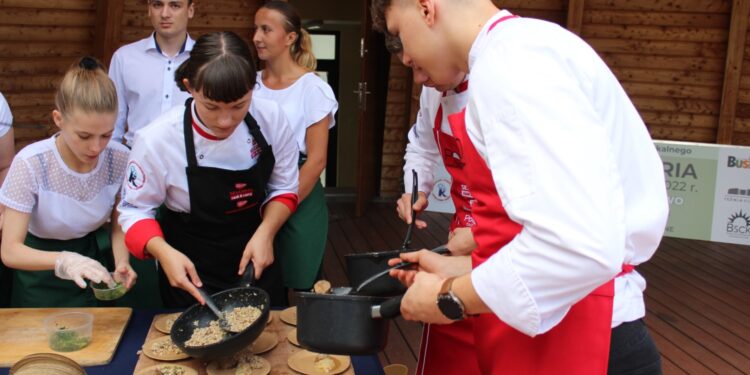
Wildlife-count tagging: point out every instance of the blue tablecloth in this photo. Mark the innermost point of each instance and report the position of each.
(125, 357)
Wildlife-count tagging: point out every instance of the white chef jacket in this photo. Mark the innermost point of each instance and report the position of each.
(6, 117)
(144, 79)
(155, 173)
(306, 102)
(573, 164)
(422, 154)
(64, 204)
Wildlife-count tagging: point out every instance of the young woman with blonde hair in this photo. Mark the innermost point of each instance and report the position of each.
(59, 193)
(289, 79)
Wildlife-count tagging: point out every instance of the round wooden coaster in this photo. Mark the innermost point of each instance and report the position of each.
(159, 369)
(304, 361)
(213, 369)
(289, 316)
(164, 323)
(155, 349)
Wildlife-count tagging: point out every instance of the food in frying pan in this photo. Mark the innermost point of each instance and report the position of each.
(241, 317)
(238, 319)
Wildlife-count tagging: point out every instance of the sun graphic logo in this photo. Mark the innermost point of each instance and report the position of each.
(739, 225)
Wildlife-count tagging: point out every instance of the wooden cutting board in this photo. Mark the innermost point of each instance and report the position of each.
(277, 356)
(22, 333)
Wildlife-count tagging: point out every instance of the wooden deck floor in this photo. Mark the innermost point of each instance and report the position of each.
(698, 294)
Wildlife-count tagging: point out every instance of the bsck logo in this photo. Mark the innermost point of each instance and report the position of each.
(739, 225)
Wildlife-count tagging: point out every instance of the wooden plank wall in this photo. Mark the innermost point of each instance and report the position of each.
(39, 39)
(214, 15)
(670, 58)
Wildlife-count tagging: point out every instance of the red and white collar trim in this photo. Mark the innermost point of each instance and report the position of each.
(201, 129)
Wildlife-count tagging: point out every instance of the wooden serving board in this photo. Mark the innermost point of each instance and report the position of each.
(22, 333)
(277, 356)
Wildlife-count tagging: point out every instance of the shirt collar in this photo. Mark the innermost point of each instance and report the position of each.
(187, 45)
(201, 129)
(483, 37)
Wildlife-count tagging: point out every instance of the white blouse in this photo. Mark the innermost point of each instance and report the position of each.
(63, 204)
(305, 102)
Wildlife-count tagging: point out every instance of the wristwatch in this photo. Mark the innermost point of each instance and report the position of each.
(449, 304)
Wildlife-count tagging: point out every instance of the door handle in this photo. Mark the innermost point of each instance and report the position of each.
(362, 93)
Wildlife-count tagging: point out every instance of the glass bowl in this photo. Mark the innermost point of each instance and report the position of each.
(103, 292)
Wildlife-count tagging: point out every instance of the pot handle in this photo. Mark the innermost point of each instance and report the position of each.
(388, 309)
(248, 278)
(414, 196)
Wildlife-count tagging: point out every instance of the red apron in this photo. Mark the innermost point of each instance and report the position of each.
(579, 344)
(442, 344)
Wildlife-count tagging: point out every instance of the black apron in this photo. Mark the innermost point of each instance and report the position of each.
(224, 214)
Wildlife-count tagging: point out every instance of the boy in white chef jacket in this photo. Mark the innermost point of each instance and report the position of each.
(567, 187)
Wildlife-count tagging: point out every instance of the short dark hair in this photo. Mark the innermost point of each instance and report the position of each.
(377, 9)
(221, 66)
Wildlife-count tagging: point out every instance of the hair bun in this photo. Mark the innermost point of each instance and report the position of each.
(88, 63)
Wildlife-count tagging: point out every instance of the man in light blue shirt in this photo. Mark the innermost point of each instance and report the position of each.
(143, 71)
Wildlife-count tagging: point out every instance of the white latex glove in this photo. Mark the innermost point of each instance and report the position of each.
(76, 267)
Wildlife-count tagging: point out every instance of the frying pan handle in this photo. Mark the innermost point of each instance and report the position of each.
(388, 309)
(248, 278)
(414, 196)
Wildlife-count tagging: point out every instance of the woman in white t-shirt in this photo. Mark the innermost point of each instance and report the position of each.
(59, 193)
(289, 79)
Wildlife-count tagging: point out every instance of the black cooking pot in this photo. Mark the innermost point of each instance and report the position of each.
(344, 324)
(359, 267)
(245, 295)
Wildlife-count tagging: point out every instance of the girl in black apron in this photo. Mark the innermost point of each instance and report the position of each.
(217, 218)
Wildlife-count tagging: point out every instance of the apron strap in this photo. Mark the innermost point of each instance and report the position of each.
(187, 125)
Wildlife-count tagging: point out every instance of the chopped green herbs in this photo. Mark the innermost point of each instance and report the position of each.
(67, 341)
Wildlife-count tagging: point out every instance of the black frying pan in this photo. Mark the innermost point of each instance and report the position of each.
(242, 296)
(361, 266)
(344, 324)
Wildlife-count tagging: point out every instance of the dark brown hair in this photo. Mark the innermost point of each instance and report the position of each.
(221, 66)
(301, 50)
(377, 9)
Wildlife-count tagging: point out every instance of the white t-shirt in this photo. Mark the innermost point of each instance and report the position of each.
(156, 170)
(6, 118)
(63, 204)
(305, 103)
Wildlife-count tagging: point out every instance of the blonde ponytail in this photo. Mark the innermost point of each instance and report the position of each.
(86, 87)
(302, 51)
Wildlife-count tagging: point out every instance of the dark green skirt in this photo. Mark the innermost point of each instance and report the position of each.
(44, 289)
(301, 242)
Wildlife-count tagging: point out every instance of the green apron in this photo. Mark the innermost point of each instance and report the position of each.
(302, 240)
(43, 288)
